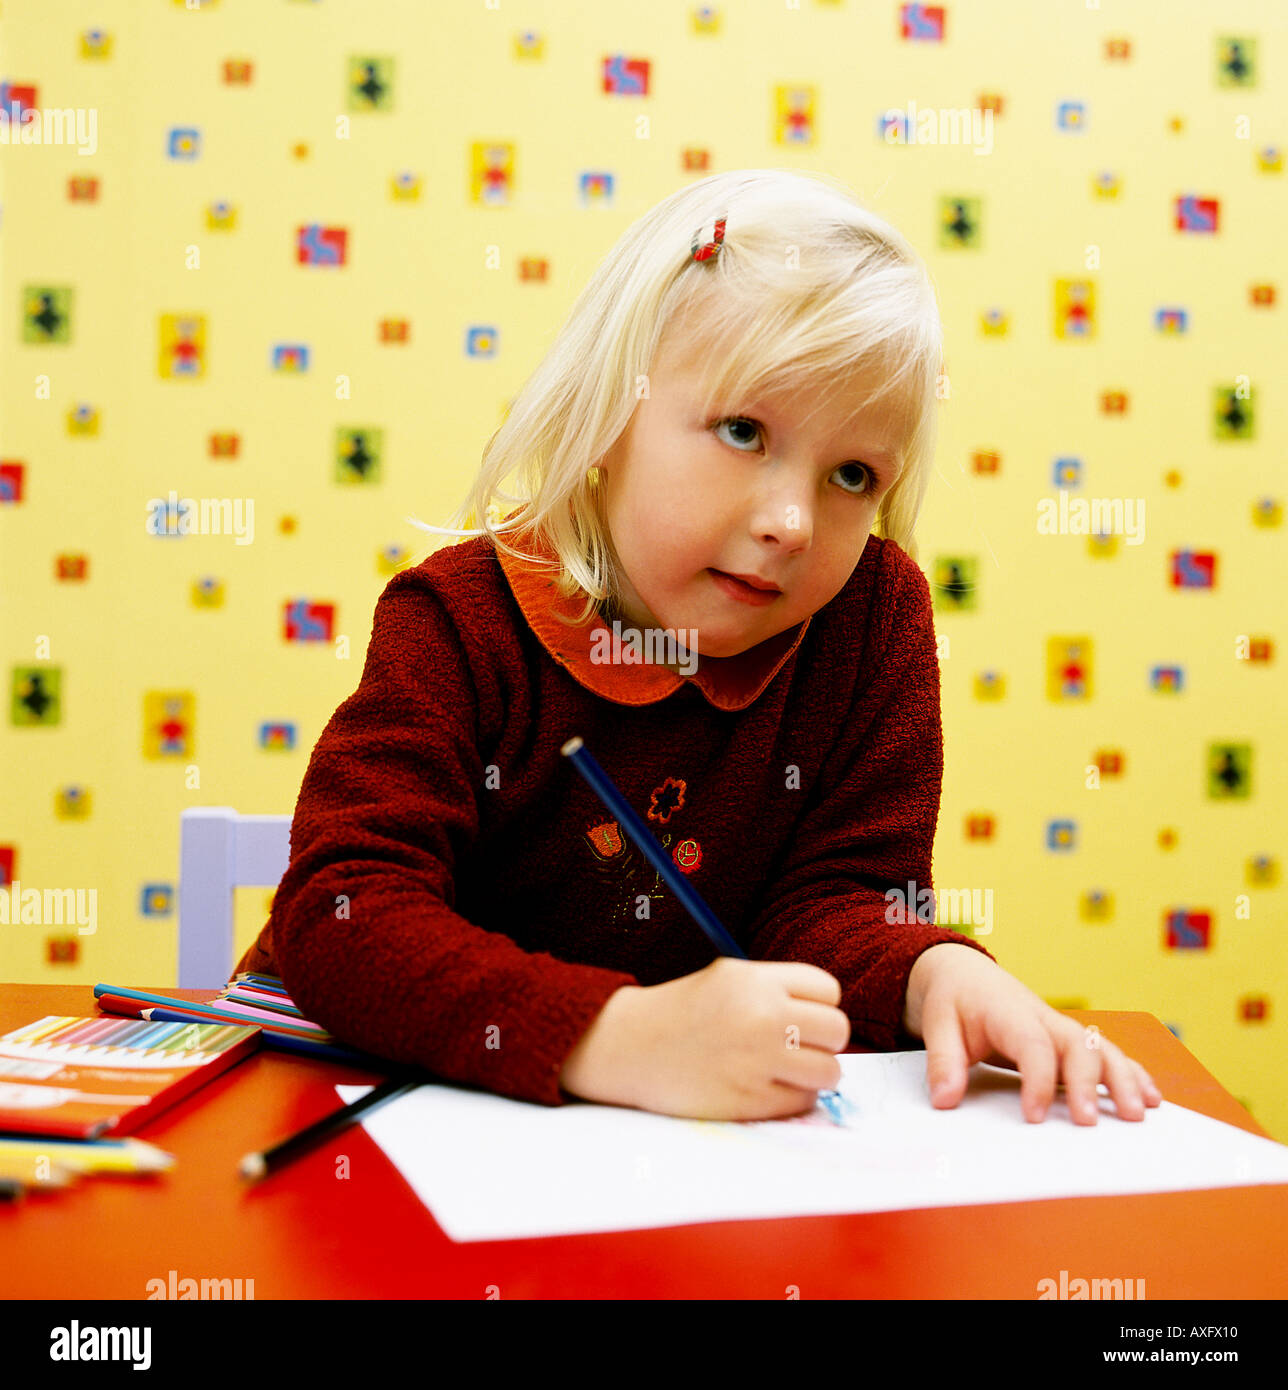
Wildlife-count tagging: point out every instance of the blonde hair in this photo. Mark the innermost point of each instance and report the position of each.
(810, 285)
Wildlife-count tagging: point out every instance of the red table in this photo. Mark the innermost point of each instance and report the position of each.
(308, 1232)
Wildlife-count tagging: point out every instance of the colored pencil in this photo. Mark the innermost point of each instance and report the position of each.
(121, 997)
(258, 1165)
(253, 1013)
(270, 1003)
(267, 982)
(185, 1039)
(283, 1041)
(603, 786)
(122, 1041)
(23, 1171)
(66, 1047)
(180, 1013)
(86, 1155)
(94, 1029)
(81, 1032)
(228, 1010)
(33, 1032)
(89, 1156)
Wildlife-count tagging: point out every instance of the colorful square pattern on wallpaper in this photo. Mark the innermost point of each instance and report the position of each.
(331, 310)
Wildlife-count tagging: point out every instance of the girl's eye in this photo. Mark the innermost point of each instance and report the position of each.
(740, 421)
(861, 478)
(864, 482)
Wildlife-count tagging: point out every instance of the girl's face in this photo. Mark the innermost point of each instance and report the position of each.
(758, 491)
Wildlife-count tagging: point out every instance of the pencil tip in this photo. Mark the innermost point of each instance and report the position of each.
(571, 746)
(834, 1106)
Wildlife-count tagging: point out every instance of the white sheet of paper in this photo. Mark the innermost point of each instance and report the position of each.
(490, 1168)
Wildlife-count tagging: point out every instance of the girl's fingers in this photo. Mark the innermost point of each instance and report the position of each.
(1036, 1054)
(1122, 1076)
(1153, 1096)
(1080, 1068)
(1127, 1082)
(947, 1064)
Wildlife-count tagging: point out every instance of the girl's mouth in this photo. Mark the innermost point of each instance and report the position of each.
(742, 592)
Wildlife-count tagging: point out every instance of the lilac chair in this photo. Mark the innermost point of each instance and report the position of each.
(220, 850)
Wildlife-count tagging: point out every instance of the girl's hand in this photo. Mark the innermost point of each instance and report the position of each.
(737, 1040)
(967, 1009)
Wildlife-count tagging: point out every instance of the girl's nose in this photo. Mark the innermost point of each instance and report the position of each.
(786, 519)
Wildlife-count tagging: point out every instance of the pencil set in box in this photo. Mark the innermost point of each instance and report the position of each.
(79, 1078)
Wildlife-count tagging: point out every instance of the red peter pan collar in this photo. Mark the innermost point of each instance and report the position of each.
(729, 683)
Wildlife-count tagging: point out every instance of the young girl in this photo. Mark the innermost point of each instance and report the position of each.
(710, 578)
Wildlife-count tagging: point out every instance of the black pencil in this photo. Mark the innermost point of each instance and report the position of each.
(257, 1165)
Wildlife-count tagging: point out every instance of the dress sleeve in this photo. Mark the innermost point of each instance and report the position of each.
(870, 829)
(363, 924)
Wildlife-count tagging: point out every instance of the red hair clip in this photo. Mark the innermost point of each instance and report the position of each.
(708, 240)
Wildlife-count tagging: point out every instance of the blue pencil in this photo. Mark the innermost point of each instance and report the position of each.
(602, 784)
(272, 984)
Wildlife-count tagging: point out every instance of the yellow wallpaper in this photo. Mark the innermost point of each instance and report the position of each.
(291, 259)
